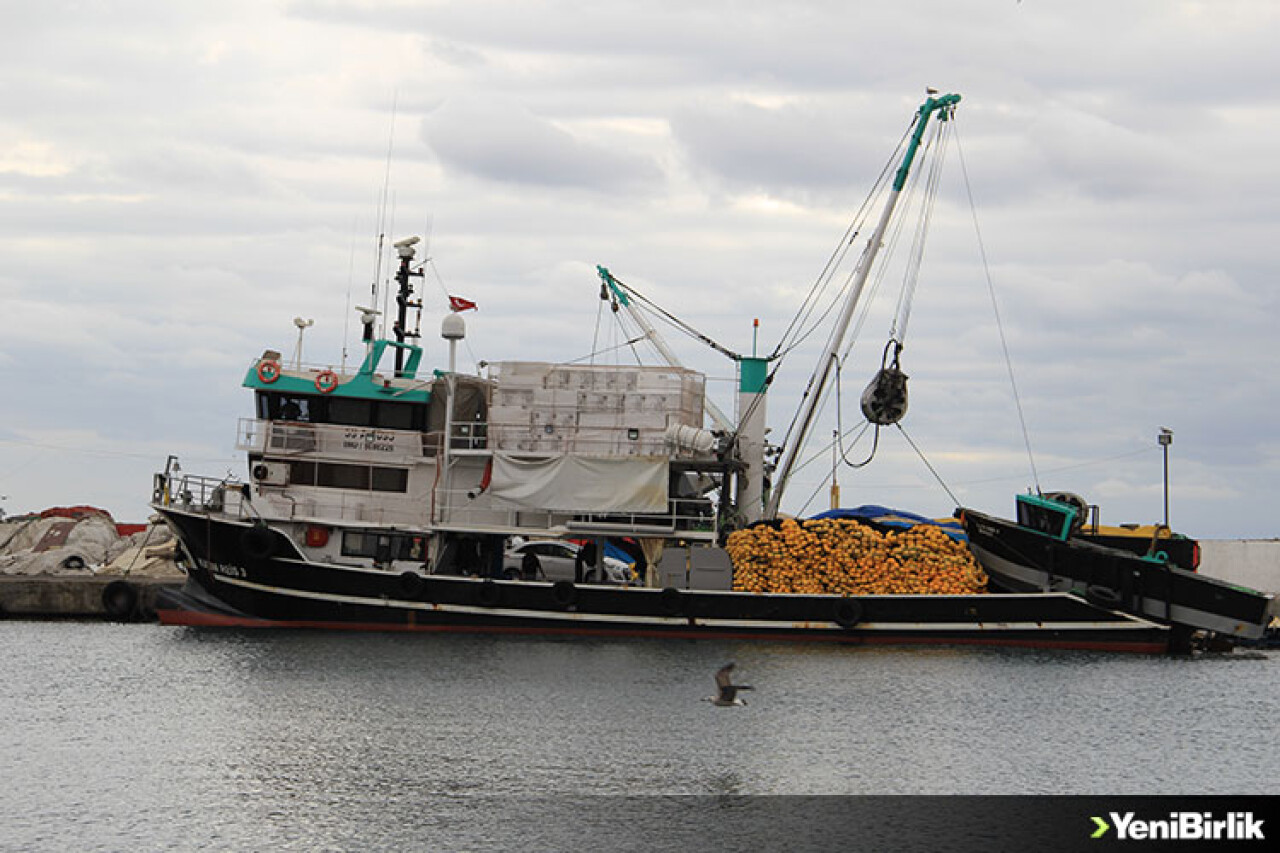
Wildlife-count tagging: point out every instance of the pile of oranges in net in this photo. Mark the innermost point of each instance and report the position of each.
(847, 557)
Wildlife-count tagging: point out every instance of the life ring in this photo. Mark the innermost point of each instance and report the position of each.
(489, 594)
(326, 382)
(847, 613)
(120, 600)
(671, 601)
(411, 584)
(257, 543)
(1102, 596)
(564, 594)
(268, 370)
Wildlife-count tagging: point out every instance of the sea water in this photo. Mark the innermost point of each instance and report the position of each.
(142, 737)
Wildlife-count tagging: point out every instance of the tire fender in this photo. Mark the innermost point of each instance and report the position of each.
(120, 600)
(257, 543)
(564, 594)
(410, 584)
(847, 613)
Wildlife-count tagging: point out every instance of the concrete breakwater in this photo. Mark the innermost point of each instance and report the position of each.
(81, 597)
(76, 563)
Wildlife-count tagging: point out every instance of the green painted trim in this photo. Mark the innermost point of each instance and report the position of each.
(410, 370)
(612, 284)
(753, 375)
(928, 108)
(1069, 514)
(360, 386)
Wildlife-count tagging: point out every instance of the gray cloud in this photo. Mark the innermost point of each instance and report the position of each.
(502, 141)
(177, 182)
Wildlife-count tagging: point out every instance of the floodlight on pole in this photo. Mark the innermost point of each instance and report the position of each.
(1165, 438)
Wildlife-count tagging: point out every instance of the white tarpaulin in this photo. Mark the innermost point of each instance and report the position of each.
(574, 483)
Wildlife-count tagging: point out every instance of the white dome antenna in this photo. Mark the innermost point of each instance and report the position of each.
(453, 329)
(368, 316)
(302, 325)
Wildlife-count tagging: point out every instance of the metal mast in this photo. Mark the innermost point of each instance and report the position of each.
(404, 298)
(817, 381)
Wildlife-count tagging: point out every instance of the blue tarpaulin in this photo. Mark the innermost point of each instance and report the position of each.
(882, 516)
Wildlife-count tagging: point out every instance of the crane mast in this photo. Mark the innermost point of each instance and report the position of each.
(944, 105)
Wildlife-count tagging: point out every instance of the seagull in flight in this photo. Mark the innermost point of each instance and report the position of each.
(727, 694)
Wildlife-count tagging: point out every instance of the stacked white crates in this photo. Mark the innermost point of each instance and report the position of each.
(598, 410)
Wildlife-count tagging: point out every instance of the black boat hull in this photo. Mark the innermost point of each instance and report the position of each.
(1022, 559)
(247, 576)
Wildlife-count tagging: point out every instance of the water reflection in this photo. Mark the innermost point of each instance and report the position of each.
(146, 737)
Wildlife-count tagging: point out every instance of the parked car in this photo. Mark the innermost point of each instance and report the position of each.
(555, 560)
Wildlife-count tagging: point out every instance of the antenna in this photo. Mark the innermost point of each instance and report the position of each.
(404, 297)
(368, 316)
(386, 190)
(302, 325)
(351, 275)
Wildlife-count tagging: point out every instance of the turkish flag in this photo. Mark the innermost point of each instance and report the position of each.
(457, 303)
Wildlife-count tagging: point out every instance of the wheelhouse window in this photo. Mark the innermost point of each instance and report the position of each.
(287, 407)
(335, 475)
(302, 473)
(351, 412)
(347, 411)
(389, 479)
(382, 546)
(397, 415)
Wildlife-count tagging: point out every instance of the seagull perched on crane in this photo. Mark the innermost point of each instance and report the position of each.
(727, 692)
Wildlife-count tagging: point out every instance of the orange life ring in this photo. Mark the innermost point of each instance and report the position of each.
(268, 370)
(326, 382)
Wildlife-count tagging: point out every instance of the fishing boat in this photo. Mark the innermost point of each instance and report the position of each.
(1046, 549)
(386, 497)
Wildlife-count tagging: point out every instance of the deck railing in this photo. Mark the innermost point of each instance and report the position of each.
(227, 495)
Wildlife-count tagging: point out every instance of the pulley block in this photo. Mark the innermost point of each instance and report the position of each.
(884, 401)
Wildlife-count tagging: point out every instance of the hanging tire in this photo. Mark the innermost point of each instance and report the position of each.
(489, 594)
(411, 584)
(847, 613)
(120, 600)
(564, 594)
(257, 543)
(1102, 596)
(671, 601)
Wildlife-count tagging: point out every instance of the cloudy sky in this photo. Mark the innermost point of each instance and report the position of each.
(179, 180)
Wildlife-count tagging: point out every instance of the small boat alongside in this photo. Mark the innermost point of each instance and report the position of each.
(1045, 551)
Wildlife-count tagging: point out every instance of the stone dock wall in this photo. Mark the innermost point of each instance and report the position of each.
(74, 563)
(81, 597)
